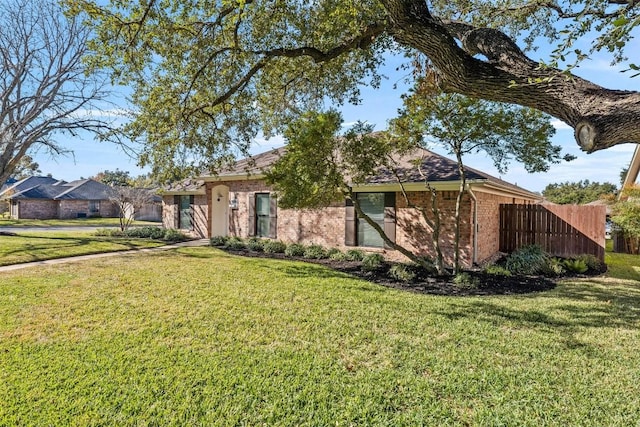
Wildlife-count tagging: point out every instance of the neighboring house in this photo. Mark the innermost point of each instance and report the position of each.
(151, 211)
(238, 202)
(40, 197)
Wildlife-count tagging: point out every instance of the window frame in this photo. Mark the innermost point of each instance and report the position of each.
(269, 231)
(180, 211)
(388, 223)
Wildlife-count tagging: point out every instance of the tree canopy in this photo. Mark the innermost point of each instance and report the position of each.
(464, 125)
(320, 167)
(578, 193)
(207, 76)
(114, 178)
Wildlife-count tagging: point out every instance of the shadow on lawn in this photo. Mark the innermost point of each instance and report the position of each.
(48, 243)
(588, 303)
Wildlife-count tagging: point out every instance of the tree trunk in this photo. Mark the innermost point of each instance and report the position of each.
(456, 241)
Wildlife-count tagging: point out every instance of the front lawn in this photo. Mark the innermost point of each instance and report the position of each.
(30, 246)
(622, 266)
(79, 222)
(196, 336)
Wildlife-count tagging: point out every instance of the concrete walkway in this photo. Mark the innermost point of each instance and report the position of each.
(190, 243)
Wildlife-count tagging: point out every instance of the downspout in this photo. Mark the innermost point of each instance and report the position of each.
(474, 258)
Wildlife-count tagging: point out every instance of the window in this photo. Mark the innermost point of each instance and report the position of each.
(94, 207)
(262, 215)
(372, 204)
(185, 212)
(380, 207)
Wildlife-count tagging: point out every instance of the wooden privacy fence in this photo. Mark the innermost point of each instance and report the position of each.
(561, 230)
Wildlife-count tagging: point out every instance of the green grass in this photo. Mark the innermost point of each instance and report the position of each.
(199, 337)
(622, 266)
(31, 246)
(79, 222)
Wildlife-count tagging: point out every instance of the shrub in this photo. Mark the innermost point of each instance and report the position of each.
(146, 232)
(576, 265)
(372, 262)
(173, 235)
(218, 240)
(466, 280)
(555, 267)
(274, 247)
(497, 270)
(593, 263)
(255, 244)
(527, 260)
(109, 232)
(336, 254)
(294, 250)
(402, 273)
(354, 255)
(235, 244)
(315, 252)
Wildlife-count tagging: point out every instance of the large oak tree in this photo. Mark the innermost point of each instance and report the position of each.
(208, 75)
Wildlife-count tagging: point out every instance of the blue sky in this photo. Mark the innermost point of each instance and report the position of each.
(378, 106)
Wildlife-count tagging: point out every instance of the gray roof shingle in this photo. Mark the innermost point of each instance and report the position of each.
(43, 187)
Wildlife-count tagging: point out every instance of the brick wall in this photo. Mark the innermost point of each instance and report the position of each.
(326, 226)
(241, 191)
(71, 208)
(323, 227)
(37, 209)
(108, 209)
(199, 226)
(169, 212)
(489, 222)
(200, 216)
(413, 233)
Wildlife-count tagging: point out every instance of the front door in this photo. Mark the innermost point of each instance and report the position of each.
(220, 211)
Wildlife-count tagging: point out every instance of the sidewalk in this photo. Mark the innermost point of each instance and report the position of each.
(190, 243)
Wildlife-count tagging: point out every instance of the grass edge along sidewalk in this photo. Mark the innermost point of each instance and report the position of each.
(56, 248)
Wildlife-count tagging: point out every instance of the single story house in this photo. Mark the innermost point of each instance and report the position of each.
(238, 202)
(43, 197)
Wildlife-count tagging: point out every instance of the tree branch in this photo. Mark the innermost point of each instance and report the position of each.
(601, 117)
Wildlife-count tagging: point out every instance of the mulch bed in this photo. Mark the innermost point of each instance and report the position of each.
(440, 285)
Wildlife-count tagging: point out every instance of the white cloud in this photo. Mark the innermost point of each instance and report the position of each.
(348, 124)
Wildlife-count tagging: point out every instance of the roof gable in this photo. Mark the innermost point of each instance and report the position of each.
(53, 189)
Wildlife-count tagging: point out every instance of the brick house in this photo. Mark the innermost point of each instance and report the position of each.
(42, 197)
(238, 202)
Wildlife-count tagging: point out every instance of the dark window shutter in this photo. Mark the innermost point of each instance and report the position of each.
(390, 216)
(176, 211)
(350, 224)
(251, 225)
(273, 216)
(192, 212)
